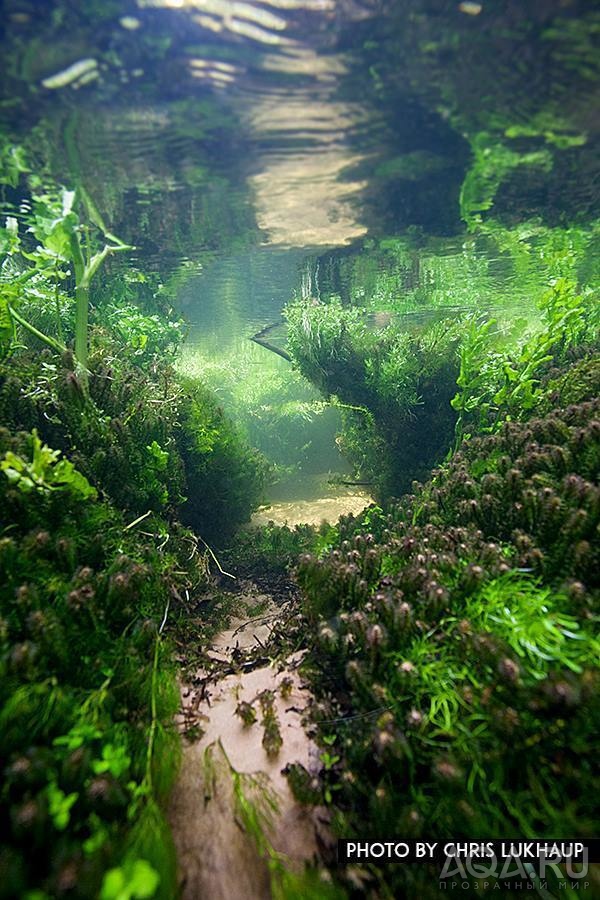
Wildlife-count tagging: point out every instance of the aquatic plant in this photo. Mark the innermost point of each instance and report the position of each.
(493, 161)
(142, 438)
(502, 377)
(225, 476)
(394, 387)
(276, 548)
(454, 643)
(274, 407)
(405, 393)
(45, 472)
(63, 241)
(87, 750)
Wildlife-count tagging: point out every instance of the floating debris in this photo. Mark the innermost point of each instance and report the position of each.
(470, 7)
(75, 72)
(130, 23)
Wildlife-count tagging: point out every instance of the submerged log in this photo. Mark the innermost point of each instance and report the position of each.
(259, 338)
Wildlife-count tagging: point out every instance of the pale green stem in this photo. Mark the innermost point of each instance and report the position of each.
(51, 342)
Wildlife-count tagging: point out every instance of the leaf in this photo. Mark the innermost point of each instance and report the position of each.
(66, 475)
(114, 760)
(136, 880)
(144, 880)
(46, 472)
(59, 805)
(79, 734)
(6, 325)
(58, 238)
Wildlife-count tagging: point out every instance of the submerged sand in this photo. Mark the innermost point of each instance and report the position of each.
(218, 858)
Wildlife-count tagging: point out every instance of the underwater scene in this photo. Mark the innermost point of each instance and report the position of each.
(299, 449)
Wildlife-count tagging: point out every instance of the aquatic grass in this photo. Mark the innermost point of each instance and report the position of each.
(257, 806)
(532, 619)
(435, 688)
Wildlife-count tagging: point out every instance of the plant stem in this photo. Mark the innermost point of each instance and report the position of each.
(82, 301)
(51, 342)
(153, 711)
(59, 329)
(84, 272)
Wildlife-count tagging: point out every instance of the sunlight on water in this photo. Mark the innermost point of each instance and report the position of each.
(298, 134)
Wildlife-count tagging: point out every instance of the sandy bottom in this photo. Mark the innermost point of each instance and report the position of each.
(218, 859)
(336, 501)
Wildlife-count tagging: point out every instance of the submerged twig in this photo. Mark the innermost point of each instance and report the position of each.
(164, 619)
(221, 569)
(259, 339)
(138, 520)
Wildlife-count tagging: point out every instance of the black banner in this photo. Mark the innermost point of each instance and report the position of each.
(386, 850)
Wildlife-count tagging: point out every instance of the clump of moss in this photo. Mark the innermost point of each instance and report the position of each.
(394, 387)
(86, 690)
(274, 549)
(225, 477)
(146, 441)
(454, 644)
(580, 382)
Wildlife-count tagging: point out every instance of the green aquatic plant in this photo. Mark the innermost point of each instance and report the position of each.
(272, 739)
(88, 750)
(275, 408)
(60, 232)
(136, 880)
(405, 393)
(256, 806)
(394, 387)
(45, 472)
(141, 437)
(275, 548)
(502, 371)
(492, 162)
(148, 336)
(473, 378)
(225, 476)
(454, 643)
(64, 240)
(533, 621)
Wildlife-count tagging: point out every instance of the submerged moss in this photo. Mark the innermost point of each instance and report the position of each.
(454, 644)
(86, 679)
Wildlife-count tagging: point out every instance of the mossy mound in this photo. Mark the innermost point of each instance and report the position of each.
(84, 682)
(455, 646)
(145, 440)
(394, 388)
